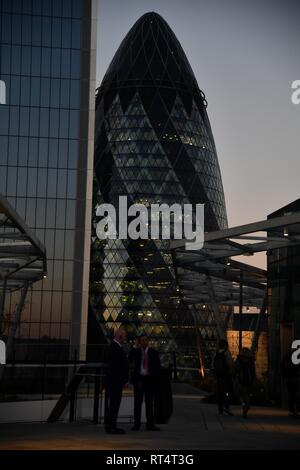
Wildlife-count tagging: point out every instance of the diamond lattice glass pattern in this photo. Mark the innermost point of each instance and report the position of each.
(153, 144)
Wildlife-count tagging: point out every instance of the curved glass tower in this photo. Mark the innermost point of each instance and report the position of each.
(153, 143)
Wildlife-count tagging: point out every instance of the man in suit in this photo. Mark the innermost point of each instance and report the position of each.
(117, 377)
(146, 369)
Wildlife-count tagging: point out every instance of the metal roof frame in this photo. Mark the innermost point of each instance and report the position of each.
(211, 277)
(22, 256)
(215, 260)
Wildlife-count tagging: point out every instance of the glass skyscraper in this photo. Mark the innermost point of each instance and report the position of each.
(47, 62)
(153, 144)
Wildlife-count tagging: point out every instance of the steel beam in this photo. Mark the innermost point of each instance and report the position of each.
(261, 226)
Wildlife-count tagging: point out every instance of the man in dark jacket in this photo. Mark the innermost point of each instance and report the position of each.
(290, 375)
(223, 368)
(117, 377)
(146, 369)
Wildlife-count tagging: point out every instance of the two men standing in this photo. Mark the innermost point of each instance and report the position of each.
(240, 373)
(145, 375)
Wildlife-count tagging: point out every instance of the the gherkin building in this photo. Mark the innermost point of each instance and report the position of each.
(153, 143)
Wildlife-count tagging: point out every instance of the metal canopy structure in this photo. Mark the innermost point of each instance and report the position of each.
(215, 258)
(225, 279)
(210, 276)
(279, 232)
(22, 256)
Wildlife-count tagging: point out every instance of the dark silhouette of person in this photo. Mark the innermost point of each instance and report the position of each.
(290, 374)
(117, 377)
(223, 369)
(145, 376)
(244, 374)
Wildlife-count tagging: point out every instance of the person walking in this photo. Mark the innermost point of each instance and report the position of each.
(146, 369)
(223, 368)
(117, 377)
(290, 374)
(244, 375)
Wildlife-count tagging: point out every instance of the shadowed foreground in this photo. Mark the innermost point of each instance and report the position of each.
(194, 425)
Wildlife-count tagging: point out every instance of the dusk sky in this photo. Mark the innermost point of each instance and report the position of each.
(245, 56)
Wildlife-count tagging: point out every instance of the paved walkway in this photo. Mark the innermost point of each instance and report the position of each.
(194, 425)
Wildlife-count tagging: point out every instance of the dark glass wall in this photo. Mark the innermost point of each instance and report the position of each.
(284, 301)
(45, 63)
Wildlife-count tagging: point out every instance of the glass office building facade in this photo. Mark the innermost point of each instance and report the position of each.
(46, 157)
(153, 144)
